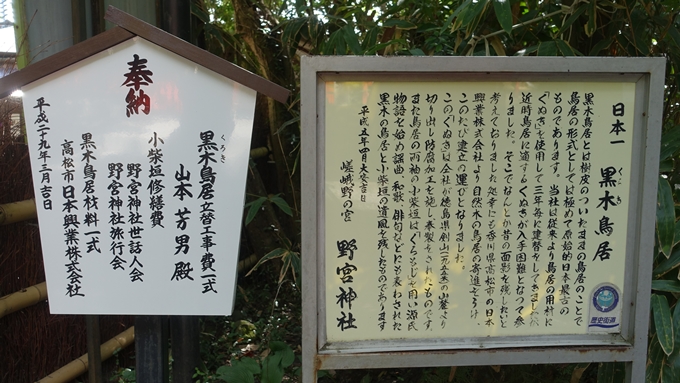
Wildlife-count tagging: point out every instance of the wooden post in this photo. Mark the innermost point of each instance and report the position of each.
(94, 355)
(177, 18)
(151, 349)
(184, 331)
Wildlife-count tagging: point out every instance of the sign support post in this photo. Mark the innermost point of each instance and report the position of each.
(184, 330)
(94, 358)
(151, 348)
(185, 345)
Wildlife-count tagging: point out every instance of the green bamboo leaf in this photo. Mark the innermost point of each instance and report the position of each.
(602, 44)
(578, 371)
(461, 9)
(638, 24)
(384, 45)
(371, 38)
(503, 14)
(619, 371)
(674, 359)
(351, 39)
(667, 166)
(400, 24)
(564, 47)
(199, 12)
(276, 253)
(674, 35)
(677, 233)
(670, 142)
(671, 3)
(288, 123)
(605, 372)
(530, 50)
(668, 264)
(655, 357)
(676, 324)
(285, 266)
(547, 48)
(329, 48)
(296, 163)
(282, 204)
(665, 217)
(301, 6)
(663, 322)
(340, 45)
(291, 29)
(291, 262)
(591, 26)
(473, 11)
(216, 33)
(254, 208)
(666, 285)
(472, 26)
(625, 45)
(669, 374)
(297, 266)
(567, 23)
(316, 30)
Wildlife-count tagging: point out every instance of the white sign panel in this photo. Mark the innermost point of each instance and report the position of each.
(139, 161)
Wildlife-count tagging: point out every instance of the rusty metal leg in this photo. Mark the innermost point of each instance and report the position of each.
(309, 372)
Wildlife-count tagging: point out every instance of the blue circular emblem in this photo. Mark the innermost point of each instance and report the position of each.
(605, 299)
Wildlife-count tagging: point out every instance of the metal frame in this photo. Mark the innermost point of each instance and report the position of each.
(629, 346)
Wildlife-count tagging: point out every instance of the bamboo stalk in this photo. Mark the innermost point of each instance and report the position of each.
(259, 152)
(38, 293)
(246, 264)
(20, 35)
(80, 365)
(22, 299)
(17, 211)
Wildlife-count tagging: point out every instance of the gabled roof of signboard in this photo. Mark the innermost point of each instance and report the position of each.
(127, 27)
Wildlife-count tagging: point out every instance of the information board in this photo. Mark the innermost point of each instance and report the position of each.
(453, 205)
(475, 209)
(139, 160)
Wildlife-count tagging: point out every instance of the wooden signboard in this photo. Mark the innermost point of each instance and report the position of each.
(139, 148)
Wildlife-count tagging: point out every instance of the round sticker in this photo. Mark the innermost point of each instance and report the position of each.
(605, 299)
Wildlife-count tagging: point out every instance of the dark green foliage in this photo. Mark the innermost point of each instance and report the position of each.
(256, 343)
(448, 27)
